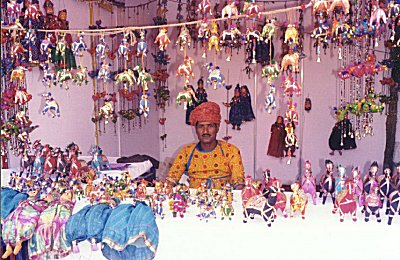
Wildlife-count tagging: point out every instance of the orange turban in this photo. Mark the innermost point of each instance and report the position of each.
(206, 112)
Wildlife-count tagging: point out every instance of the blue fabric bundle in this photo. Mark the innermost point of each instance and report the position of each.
(9, 201)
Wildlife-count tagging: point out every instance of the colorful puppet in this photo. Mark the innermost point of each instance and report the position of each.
(291, 141)
(51, 105)
(187, 96)
(79, 46)
(213, 41)
(127, 77)
(262, 205)
(327, 183)
(270, 100)
(290, 60)
(215, 77)
(80, 76)
(204, 8)
(186, 70)
(230, 9)
(235, 112)
(308, 183)
(162, 39)
(203, 35)
(107, 110)
(271, 72)
(298, 200)
(184, 39)
(142, 45)
(345, 202)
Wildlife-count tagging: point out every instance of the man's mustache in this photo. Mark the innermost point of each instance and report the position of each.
(205, 135)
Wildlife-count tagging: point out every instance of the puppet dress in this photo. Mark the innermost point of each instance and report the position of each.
(235, 113)
(20, 225)
(201, 95)
(9, 201)
(131, 232)
(246, 109)
(96, 219)
(341, 137)
(276, 146)
(49, 240)
(76, 228)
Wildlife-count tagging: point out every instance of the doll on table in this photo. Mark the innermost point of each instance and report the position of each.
(327, 183)
(20, 225)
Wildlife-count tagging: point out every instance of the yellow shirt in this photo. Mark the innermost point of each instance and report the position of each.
(223, 164)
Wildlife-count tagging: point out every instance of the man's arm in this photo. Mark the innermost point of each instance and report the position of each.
(178, 167)
(236, 166)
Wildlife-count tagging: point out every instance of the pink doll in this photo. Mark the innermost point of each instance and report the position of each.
(308, 182)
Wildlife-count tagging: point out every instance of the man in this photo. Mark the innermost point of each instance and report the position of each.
(209, 159)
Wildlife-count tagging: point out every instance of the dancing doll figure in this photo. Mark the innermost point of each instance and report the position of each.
(373, 203)
(327, 183)
(276, 146)
(308, 183)
(201, 93)
(358, 185)
(340, 181)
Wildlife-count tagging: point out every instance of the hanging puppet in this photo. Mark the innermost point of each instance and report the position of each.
(342, 136)
(276, 146)
(291, 141)
(51, 105)
(203, 35)
(245, 103)
(235, 112)
(201, 93)
(190, 105)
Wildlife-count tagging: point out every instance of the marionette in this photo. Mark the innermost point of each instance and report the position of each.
(358, 185)
(253, 38)
(340, 180)
(245, 103)
(80, 76)
(204, 8)
(206, 211)
(298, 200)
(186, 69)
(229, 38)
(157, 204)
(327, 183)
(342, 136)
(20, 225)
(178, 206)
(63, 24)
(189, 102)
(308, 183)
(184, 39)
(162, 39)
(62, 55)
(97, 162)
(251, 9)
(203, 36)
(201, 93)
(291, 141)
(213, 41)
(235, 112)
(79, 46)
(226, 209)
(50, 236)
(276, 146)
(51, 105)
(373, 203)
(271, 72)
(373, 170)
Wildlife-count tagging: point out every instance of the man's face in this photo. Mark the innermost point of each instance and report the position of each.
(207, 132)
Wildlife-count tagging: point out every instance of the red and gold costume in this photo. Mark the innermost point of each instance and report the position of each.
(222, 164)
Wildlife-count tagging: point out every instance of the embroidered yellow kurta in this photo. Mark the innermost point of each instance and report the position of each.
(223, 164)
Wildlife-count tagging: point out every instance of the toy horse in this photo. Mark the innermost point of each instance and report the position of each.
(187, 97)
(62, 76)
(213, 41)
(291, 87)
(21, 118)
(230, 9)
(49, 76)
(162, 39)
(107, 110)
(270, 100)
(51, 106)
(185, 69)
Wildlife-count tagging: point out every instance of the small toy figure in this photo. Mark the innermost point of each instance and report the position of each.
(80, 76)
(215, 77)
(207, 211)
(226, 209)
(188, 96)
(340, 180)
(251, 9)
(79, 46)
(142, 45)
(204, 7)
(235, 112)
(213, 41)
(290, 59)
(104, 72)
(162, 39)
(373, 203)
(298, 200)
(248, 191)
(291, 35)
(230, 38)
(99, 162)
(358, 185)
(263, 205)
(396, 176)
(345, 202)
(178, 206)
(271, 72)
(186, 70)
(291, 115)
(184, 38)
(157, 205)
(204, 34)
(51, 105)
(291, 142)
(327, 183)
(230, 9)
(127, 77)
(308, 183)
(201, 93)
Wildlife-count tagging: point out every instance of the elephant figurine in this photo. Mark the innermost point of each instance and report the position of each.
(263, 205)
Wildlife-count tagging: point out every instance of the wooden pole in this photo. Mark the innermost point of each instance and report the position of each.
(96, 125)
